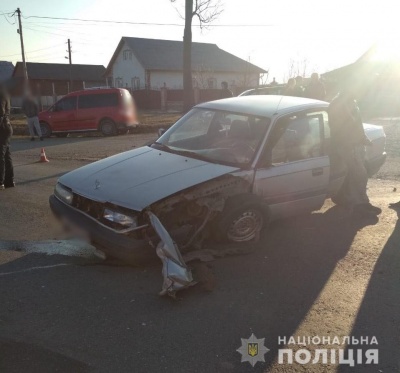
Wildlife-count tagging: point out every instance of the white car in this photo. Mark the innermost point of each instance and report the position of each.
(223, 170)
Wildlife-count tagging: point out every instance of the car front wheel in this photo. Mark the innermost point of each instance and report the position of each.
(45, 128)
(241, 220)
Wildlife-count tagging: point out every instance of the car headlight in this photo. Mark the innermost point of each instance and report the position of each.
(63, 194)
(121, 219)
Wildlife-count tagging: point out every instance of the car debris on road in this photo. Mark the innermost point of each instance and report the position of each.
(177, 275)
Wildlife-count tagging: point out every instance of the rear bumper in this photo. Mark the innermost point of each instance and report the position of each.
(373, 165)
(120, 246)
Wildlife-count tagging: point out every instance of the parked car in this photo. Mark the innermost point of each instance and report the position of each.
(108, 110)
(270, 90)
(224, 169)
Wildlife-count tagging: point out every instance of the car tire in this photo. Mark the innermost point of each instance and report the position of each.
(64, 134)
(107, 127)
(241, 220)
(46, 129)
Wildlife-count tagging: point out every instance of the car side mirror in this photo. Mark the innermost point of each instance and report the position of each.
(161, 131)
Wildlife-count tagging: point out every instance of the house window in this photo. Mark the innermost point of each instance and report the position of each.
(127, 55)
(135, 83)
(211, 83)
(118, 82)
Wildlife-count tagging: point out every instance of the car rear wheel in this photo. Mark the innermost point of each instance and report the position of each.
(241, 220)
(46, 129)
(107, 127)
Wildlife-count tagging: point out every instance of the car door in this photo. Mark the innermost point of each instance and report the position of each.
(63, 115)
(293, 172)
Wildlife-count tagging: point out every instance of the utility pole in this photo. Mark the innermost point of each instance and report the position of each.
(70, 63)
(69, 51)
(22, 50)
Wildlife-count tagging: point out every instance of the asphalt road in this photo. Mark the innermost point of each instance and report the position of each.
(324, 274)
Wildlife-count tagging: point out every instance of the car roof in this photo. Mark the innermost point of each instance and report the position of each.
(266, 106)
(91, 91)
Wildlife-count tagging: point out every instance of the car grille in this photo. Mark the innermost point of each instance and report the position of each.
(92, 208)
(96, 210)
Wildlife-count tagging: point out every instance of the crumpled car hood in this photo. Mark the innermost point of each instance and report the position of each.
(137, 178)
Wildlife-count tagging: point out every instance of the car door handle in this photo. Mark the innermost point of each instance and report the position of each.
(317, 171)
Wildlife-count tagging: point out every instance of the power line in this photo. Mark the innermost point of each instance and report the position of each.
(144, 23)
(5, 17)
(36, 50)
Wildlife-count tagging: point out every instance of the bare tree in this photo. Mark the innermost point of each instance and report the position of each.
(202, 75)
(264, 78)
(297, 67)
(206, 11)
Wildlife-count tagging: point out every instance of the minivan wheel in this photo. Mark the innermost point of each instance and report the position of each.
(45, 128)
(107, 127)
(241, 221)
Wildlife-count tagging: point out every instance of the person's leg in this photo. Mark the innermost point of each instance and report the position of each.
(37, 127)
(359, 184)
(360, 176)
(9, 172)
(30, 127)
(2, 165)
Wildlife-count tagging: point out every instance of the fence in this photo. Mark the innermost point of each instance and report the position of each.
(145, 99)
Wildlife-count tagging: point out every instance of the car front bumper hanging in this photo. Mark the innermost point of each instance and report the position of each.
(177, 275)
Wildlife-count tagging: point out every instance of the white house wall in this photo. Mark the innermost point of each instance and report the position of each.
(124, 71)
(174, 80)
(127, 69)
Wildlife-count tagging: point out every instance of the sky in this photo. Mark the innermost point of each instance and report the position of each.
(312, 35)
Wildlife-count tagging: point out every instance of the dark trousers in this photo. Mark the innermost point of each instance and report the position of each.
(6, 166)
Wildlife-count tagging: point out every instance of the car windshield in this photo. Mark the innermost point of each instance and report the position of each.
(216, 136)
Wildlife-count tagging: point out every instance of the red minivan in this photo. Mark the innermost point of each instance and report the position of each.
(108, 110)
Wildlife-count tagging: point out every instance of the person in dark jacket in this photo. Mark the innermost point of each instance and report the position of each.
(225, 91)
(6, 165)
(315, 89)
(348, 141)
(31, 110)
(290, 89)
(299, 89)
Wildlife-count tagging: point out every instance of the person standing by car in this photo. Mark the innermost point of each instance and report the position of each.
(315, 89)
(349, 141)
(6, 166)
(299, 89)
(290, 89)
(225, 91)
(31, 110)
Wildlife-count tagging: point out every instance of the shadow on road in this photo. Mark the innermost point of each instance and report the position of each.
(379, 313)
(41, 179)
(19, 357)
(282, 284)
(116, 311)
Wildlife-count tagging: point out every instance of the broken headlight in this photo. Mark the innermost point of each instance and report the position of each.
(121, 219)
(63, 193)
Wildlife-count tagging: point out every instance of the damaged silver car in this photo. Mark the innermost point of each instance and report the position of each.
(220, 172)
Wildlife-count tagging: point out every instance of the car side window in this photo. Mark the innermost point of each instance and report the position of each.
(296, 138)
(98, 100)
(65, 104)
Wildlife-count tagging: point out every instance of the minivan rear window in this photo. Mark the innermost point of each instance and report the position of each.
(98, 100)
